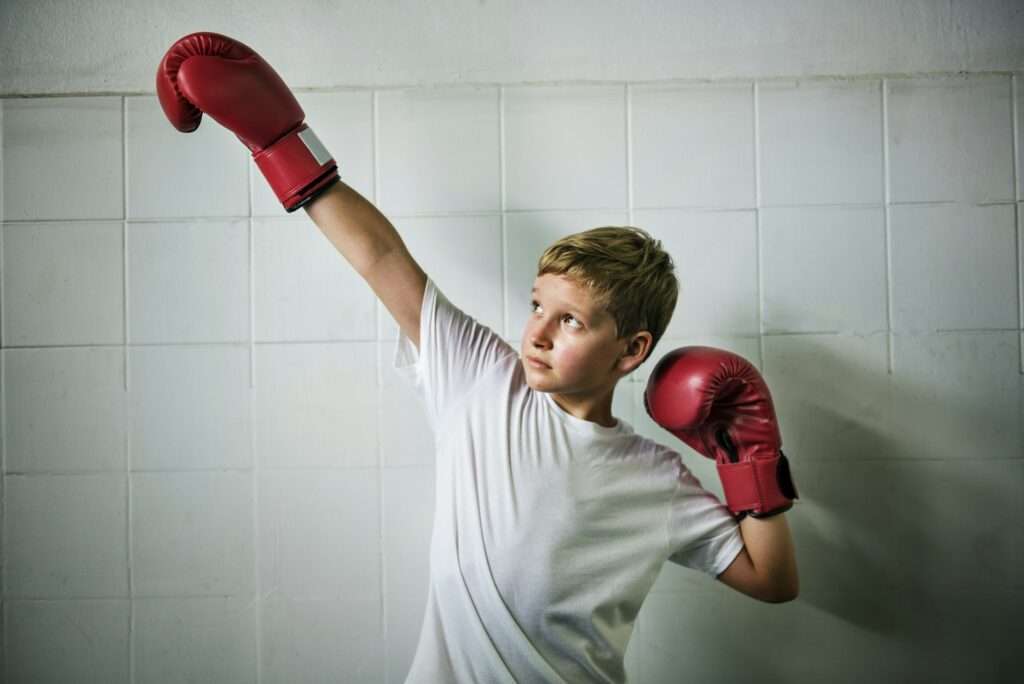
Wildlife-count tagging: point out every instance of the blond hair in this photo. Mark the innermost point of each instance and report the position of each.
(627, 272)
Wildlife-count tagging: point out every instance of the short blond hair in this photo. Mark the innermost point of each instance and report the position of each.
(628, 274)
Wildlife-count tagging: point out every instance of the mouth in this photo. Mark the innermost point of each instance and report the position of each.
(535, 363)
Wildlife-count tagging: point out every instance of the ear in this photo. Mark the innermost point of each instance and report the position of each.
(637, 349)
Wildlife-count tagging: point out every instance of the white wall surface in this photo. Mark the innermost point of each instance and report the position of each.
(108, 46)
(211, 473)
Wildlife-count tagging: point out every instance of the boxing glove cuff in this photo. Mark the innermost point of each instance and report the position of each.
(760, 487)
(298, 167)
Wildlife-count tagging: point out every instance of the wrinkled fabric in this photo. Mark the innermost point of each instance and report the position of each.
(549, 530)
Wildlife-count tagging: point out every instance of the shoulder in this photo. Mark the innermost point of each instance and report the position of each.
(665, 456)
(653, 455)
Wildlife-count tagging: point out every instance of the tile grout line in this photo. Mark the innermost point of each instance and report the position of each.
(126, 390)
(758, 240)
(3, 424)
(383, 602)
(257, 598)
(1015, 150)
(503, 208)
(628, 106)
(663, 82)
(694, 209)
(890, 361)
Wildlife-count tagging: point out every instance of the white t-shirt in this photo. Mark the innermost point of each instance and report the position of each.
(549, 530)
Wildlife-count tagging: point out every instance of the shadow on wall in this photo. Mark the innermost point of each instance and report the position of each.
(910, 484)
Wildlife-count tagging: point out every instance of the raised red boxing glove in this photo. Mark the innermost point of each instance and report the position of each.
(717, 403)
(211, 73)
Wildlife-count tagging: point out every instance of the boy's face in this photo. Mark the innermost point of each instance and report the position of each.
(566, 331)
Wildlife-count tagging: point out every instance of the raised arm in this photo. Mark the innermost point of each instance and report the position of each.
(369, 242)
(210, 73)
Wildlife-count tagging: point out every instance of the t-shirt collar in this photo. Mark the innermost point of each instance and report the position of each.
(583, 426)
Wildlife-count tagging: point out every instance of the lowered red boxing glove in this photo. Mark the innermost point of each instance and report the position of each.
(717, 403)
(211, 73)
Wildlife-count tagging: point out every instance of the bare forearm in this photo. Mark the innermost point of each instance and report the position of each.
(354, 226)
(770, 546)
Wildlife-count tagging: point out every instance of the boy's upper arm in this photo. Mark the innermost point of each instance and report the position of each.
(742, 577)
(400, 283)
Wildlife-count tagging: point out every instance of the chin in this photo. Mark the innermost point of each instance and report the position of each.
(529, 373)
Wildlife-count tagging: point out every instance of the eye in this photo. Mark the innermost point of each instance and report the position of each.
(534, 306)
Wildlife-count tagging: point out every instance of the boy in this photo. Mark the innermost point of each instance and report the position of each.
(553, 518)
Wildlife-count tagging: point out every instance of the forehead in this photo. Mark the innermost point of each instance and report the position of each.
(566, 292)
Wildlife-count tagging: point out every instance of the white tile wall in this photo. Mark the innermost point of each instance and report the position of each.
(475, 280)
(823, 270)
(195, 638)
(65, 641)
(408, 508)
(168, 176)
(67, 410)
(324, 639)
(63, 284)
(204, 390)
(324, 300)
(715, 256)
(211, 472)
(820, 143)
(66, 536)
(964, 391)
(564, 147)
(950, 139)
(314, 405)
(954, 267)
(692, 146)
(192, 533)
(438, 151)
(319, 534)
(63, 158)
(206, 266)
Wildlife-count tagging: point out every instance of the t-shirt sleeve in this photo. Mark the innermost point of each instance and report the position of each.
(703, 535)
(455, 350)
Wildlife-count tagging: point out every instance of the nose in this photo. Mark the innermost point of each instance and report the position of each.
(537, 333)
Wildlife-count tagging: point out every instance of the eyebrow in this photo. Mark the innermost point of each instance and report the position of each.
(577, 309)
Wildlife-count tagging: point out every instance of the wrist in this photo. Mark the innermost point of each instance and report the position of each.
(297, 167)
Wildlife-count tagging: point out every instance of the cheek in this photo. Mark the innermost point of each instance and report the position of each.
(569, 359)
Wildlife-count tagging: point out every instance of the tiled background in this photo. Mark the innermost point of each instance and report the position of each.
(211, 472)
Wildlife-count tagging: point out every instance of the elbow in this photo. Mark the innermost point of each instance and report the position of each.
(782, 593)
(781, 596)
